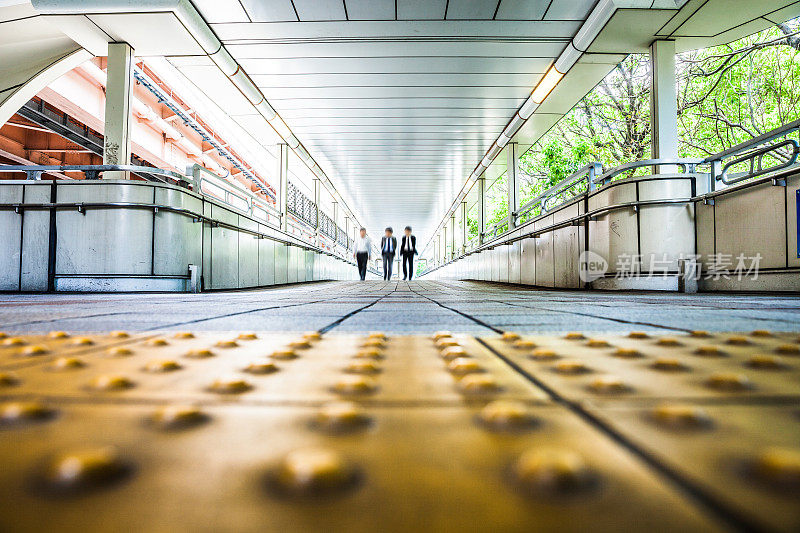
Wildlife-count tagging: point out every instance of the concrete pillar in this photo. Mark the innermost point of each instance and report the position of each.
(119, 86)
(464, 227)
(663, 100)
(481, 208)
(283, 180)
(512, 178)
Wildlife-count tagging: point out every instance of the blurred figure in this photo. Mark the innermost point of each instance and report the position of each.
(362, 252)
(408, 249)
(388, 248)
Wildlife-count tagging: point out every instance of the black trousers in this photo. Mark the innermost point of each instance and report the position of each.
(408, 265)
(361, 259)
(388, 260)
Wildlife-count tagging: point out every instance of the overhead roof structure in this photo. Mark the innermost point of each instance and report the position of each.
(397, 102)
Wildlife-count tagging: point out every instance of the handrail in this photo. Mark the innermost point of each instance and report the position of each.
(686, 164)
(584, 173)
(92, 172)
(197, 172)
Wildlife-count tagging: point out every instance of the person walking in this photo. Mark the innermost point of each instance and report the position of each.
(408, 249)
(388, 248)
(363, 252)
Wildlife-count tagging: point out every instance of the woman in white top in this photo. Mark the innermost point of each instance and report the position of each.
(363, 252)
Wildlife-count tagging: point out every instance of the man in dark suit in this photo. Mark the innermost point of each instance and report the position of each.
(388, 249)
(408, 249)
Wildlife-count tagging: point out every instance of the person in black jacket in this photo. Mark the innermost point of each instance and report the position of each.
(408, 249)
(388, 249)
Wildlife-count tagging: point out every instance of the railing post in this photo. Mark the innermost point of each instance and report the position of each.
(513, 183)
(481, 208)
(119, 87)
(464, 224)
(663, 101)
(453, 236)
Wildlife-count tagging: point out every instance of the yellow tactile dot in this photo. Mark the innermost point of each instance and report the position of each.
(574, 336)
(3, 334)
(461, 366)
(788, 349)
(201, 353)
(247, 336)
(226, 344)
(478, 384)
(509, 336)
(699, 333)
(369, 353)
(668, 364)
(543, 354)
(355, 385)
(119, 334)
(453, 352)
(184, 335)
(728, 382)
(608, 385)
(312, 472)
(506, 415)
(159, 366)
(441, 334)
(58, 334)
(377, 335)
(668, 341)
(261, 368)
(120, 351)
(14, 341)
(627, 353)
(230, 386)
(284, 354)
(738, 340)
(778, 466)
(765, 362)
(82, 341)
(373, 343)
(709, 351)
(638, 335)
(597, 343)
(312, 336)
(157, 342)
(178, 417)
(446, 342)
(341, 417)
(85, 470)
(18, 412)
(571, 367)
(111, 383)
(552, 471)
(363, 367)
(68, 363)
(524, 344)
(680, 416)
(761, 333)
(34, 350)
(7, 379)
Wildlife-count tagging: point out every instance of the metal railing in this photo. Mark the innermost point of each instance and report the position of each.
(92, 172)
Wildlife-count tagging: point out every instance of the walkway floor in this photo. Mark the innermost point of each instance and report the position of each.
(401, 307)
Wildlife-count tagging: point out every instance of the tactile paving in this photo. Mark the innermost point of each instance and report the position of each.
(245, 431)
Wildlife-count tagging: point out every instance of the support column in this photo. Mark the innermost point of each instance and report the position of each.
(119, 85)
(464, 227)
(453, 236)
(663, 100)
(512, 178)
(283, 179)
(481, 208)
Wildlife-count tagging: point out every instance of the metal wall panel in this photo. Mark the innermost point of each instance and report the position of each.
(291, 265)
(567, 248)
(310, 262)
(35, 239)
(666, 232)
(544, 254)
(614, 235)
(224, 251)
(104, 241)
(527, 269)
(207, 262)
(514, 257)
(178, 240)
(753, 222)
(281, 263)
(266, 261)
(704, 218)
(10, 238)
(792, 229)
(502, 263)
(248, 254)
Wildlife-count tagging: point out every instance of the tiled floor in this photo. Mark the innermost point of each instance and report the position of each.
(401, 307)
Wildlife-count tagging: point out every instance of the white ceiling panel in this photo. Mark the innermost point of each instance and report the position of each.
(471, 9)
(370, 9)
(269, 11)
(222, 10)
(522, 9)
(526, 80)
(569, 9)
(421, 9)
(311, 10)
